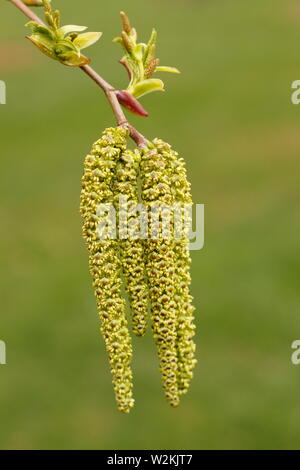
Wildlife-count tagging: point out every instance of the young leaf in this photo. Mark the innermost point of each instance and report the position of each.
(33, 3)
(41, 29)
(65, 47)
(42, 45)
(163, 68)
(139, 51)
(128, 43)
(147, 86)
(86, 39)
(151, 46)
(56, 18)
(49, 19)
(118, 40)
(73, 60)
(71, 28)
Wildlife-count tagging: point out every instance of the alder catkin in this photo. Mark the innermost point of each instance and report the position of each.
(132, 250)
(105, 265)
(155, 265)
(183, 300)
(156, 191)
(186, 325)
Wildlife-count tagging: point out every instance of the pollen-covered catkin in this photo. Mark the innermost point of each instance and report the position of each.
(186, 347)
(126, 196)
(156, 192)
(105, 265)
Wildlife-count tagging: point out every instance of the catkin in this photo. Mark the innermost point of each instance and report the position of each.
(155, 265)
(180, 187)
(105, 265)
(156, 189)
(185, 311)
(126, 197)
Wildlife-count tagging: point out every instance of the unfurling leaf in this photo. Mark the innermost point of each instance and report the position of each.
(56, 18)
(41, 30)
(73, 60)
(49, 19)
(71, 28)
(33, 3)
(147, 86)
(61, 43)
(162, 68)
(151, 47)
(43, 46)
(86, 39)
(140, 61)
(128, 43)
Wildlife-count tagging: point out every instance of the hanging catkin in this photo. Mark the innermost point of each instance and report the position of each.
(156, 189)
(155, 269)
(181, 197)
(105, 266)
(126, 197)
(186, 327)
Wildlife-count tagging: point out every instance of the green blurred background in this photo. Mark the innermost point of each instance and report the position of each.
(230, 115)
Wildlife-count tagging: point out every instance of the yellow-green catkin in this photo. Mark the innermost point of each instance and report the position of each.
(156, 188)
(186, 347)
(105, 265)
(181, 192)
(132, 248)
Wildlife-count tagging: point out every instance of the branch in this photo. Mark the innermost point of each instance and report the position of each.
(109, 91)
